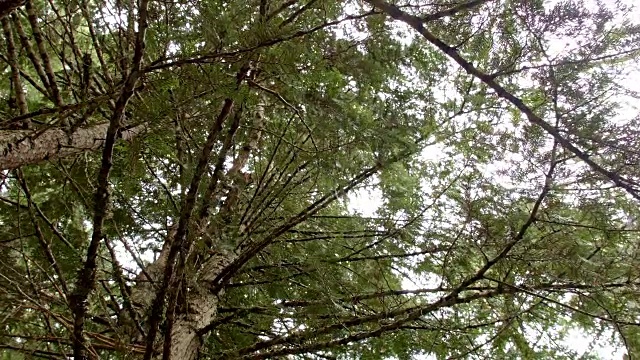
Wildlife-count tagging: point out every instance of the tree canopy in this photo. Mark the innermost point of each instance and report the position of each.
(178, 179)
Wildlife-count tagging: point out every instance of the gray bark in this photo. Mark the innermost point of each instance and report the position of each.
(25, 147)
(202, 305)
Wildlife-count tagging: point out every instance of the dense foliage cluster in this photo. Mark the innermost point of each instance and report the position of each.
(178, 179)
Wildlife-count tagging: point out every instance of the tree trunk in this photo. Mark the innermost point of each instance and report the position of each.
(24, 147)
(185, 340)
(202, 307)
(201, 304)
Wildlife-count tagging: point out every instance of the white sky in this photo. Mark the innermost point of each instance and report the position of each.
(367, 202)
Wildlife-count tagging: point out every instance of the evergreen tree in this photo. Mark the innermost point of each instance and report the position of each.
(177, 179)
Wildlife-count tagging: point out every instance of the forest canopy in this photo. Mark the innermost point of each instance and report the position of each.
(178, 179)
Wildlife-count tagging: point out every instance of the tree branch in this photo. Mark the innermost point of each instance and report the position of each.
(418, 24)
(465, 6)
(25, 147)
(87, 275)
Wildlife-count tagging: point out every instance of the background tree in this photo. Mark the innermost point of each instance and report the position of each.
(178, 176)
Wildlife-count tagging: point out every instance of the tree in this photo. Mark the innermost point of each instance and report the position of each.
(221, 227)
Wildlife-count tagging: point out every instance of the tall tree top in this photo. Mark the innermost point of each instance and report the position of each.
(178, 179)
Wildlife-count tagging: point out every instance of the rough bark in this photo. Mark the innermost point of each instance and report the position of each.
(179, 243)
(186, 339)
(25, 147)
(187, 332)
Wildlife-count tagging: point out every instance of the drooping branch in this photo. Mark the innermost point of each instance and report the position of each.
(298, 343)
(418, 24)
(44, 244)
(303, 341)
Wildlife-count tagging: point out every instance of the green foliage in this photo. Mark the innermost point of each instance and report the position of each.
(483, 237)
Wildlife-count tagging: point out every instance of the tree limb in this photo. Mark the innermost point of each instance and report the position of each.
(418, 24)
